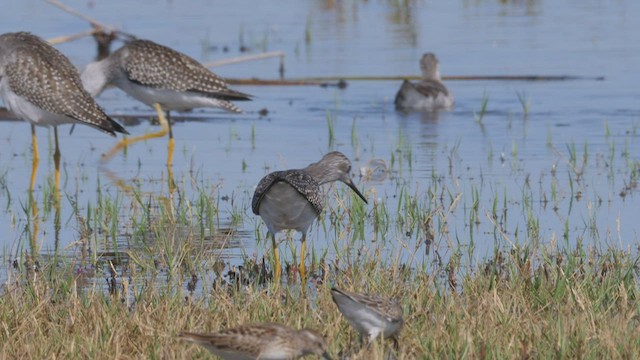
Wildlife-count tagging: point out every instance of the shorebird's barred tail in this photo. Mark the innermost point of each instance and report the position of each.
(224, 104)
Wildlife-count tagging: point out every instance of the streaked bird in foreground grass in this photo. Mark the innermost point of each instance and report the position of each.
(370, 315)
(161, 78)
(291, 199)
(261, 341)
(40, 85)
(429, 93)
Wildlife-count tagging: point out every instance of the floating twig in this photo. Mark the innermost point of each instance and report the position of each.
(284, 82)
(98, 26)
(76, 13)
(239, 59)
(341, 80)
(266, 55)
(67, 38)
(459, 77)
(6, 115)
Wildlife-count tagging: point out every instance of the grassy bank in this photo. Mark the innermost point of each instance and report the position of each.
(527, 303)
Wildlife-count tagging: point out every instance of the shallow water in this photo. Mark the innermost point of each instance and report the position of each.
(519, 160)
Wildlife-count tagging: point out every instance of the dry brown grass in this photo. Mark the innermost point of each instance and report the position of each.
(561, 309)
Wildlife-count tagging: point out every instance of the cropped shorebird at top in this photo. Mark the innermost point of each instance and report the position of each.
(162, 78)
(40, 85)
(291, 199)
(429, 93)
(370, 315)
(261, 341)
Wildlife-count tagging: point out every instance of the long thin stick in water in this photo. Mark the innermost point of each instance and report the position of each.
(240, 59)
(82, 16)
(459, 77)
(341, 81)
(95, 23)
(67, 38)
(275, 82)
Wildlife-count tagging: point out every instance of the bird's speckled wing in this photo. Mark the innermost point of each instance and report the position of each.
(431, 88)
(390, 309)
(158, 66)
(298, 179)
(47, 79)
(247, 339)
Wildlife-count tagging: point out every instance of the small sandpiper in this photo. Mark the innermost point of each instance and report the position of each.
(261, 341)
(429, 93)
(40, 85)
(291, 199)
(161, 78)
(370, 315)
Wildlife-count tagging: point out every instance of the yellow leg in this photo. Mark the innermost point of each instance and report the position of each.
(277, 271)
(303, 250)
(32, 200)
(126, 142)
(172, 143)
(172, 182)
(170, 147)
(36, 158)
(56, 160)
(35, 222)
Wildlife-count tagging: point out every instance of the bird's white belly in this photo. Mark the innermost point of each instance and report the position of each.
(25, 110)
(415, 100)
(169, 99)
(284, 208)
(367, 322)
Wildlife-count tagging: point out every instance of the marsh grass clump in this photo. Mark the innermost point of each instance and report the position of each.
(525, 102)
(479, 116)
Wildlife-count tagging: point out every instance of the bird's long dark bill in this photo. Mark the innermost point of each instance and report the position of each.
(326, 356)
(355, 189)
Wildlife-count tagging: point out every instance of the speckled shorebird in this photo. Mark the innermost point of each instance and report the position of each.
(291, 199)
(429, 93)
(370, 315)
(40, 85)
(261, 341)
(162, 78)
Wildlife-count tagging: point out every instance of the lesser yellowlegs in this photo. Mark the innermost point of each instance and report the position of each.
(370, 315)
(261, 341)
(162, 78)
(40, 85)
(291, 199)
(427, 94)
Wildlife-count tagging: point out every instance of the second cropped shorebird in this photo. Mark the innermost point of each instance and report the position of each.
(261, 341)
(162, 78)
(291, 199)
(429, 93)
(370, 315)
(39, 84)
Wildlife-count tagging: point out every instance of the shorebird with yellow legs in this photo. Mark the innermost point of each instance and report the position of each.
(40, 85)
(162, 78)
(291, 199)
